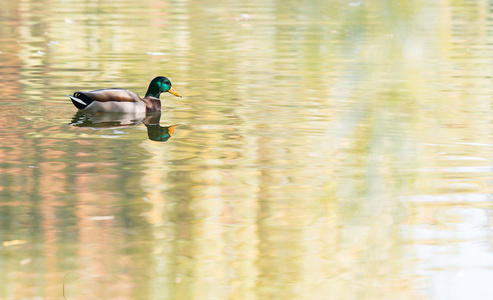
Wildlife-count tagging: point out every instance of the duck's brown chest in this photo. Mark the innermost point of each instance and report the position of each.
(154, 105)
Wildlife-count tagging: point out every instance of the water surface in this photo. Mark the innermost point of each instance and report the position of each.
(330, 150)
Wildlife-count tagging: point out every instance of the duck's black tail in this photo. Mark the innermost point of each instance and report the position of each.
(80, 100)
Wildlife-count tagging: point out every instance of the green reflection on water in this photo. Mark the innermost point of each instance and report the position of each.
(315, 142)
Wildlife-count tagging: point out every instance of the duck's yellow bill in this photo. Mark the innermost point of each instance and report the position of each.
(172, 91)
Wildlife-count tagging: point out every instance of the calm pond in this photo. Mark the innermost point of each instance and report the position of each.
(321, 150)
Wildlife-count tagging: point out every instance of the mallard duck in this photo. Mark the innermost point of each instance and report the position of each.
(121, 100)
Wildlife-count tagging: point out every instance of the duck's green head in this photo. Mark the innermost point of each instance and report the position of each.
(160, 85)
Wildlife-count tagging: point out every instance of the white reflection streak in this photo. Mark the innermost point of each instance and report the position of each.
(457, 256)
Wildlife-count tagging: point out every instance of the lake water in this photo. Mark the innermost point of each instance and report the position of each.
(322, 150)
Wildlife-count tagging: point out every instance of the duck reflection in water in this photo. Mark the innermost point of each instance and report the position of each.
(155, 131)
